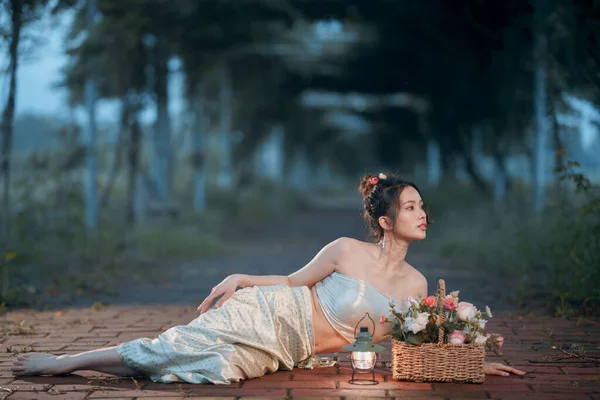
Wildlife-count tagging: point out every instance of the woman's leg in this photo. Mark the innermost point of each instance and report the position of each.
(104, 360)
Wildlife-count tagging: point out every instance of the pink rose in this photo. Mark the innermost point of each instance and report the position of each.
(374, 180)
(382, 320)
(449, 304)
(500, 340)
(430, 301)
(456, 337)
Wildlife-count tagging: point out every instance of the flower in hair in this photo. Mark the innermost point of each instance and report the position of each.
(382, 176)
(374, 180)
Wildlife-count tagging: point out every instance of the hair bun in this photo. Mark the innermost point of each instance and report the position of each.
(367, 183)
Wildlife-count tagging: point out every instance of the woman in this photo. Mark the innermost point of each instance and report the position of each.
(276, 322)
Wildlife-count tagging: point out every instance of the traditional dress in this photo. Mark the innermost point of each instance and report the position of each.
(257, 331)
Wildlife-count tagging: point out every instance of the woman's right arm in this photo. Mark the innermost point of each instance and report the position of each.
(322, 265)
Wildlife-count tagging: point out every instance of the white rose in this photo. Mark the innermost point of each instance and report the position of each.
(407, 303)
(488, 312)
(480, 339)
(465, 311)
(417, 324)
(423, 318)
(412, 300)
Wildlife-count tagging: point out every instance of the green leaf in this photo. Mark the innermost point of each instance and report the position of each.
(414, 338)
(449, 326)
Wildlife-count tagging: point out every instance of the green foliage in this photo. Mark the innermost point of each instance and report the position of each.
(98, 306)
(176, 243)
(552, 258)
(73, 261)
(262, 199)
(5, 260)
(57, 255)
(413, 338)
(55, 251)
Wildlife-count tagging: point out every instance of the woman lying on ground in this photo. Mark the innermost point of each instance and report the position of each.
(276, 322)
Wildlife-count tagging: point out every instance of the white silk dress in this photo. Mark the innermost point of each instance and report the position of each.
(259, 330)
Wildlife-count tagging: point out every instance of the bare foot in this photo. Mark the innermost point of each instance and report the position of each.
(41, 364)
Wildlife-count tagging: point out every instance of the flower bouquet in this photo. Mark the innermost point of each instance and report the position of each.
(439, 339)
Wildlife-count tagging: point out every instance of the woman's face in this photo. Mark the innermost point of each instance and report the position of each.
(411, 219)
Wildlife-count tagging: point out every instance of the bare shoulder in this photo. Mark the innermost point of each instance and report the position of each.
(418, 279)
(347, 249)
(337, 249)
(346, 244)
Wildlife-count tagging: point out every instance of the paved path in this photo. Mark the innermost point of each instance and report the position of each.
(535, 344)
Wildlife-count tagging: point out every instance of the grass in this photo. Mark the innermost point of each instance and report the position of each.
(263, 199)
(552, 257)
(59, 257)
(82, 264)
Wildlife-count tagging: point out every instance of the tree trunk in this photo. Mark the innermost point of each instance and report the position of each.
(540, 101)
(199, 147)
(133, 152)
(475, 177)
(269, 156)
(448, 165)
(559, 150)
(6, 129)
(225, 177)
(434, 168)
(298, 172)
(470, 166)
(161, 159)
(500, 174)
(116, 167)
(91, 156)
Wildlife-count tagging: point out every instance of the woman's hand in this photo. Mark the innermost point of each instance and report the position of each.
(225, 290)
(500, 369)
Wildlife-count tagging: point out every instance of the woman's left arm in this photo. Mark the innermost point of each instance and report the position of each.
(500, 369)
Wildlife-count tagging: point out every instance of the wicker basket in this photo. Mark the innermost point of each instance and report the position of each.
(438, 362)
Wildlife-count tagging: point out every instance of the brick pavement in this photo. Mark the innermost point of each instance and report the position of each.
(538, 345)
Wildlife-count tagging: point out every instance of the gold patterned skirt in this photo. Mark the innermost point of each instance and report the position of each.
(257, 331)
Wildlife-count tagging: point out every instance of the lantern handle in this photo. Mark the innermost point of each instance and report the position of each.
(358, 323)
